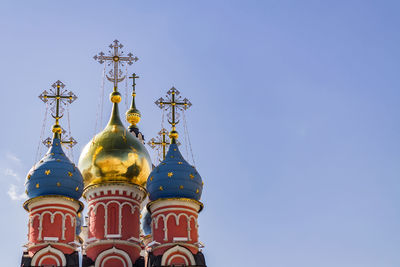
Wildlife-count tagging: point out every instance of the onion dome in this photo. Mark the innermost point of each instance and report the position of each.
(133, 114)
(54, 174)
(114, 155)
(174, 177)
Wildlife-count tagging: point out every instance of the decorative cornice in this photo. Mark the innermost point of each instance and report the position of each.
(30, 202)
(179, 201)
(93, 190)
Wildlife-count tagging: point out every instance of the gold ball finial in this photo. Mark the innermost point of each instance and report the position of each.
(173, 134)
(133, 116)
(115, 97)
(56, 129)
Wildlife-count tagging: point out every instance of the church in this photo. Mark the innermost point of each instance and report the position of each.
(139, 213)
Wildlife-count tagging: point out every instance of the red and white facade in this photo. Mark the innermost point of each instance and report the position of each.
(175, 231)
(113, 224)
(52, 228)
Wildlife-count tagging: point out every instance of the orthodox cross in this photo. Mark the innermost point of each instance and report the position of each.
(133, 77)
(174, 103)
(56, 98)
(162, 140)
(115, 57)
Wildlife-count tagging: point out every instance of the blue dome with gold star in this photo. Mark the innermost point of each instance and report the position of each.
(174, 178)
(54, 174)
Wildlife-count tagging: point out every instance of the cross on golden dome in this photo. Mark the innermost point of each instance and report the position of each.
(116, 58)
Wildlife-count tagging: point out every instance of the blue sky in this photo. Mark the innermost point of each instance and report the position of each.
(294, 125)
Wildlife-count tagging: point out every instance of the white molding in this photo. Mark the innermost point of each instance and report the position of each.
(93, 209)
(53, 207)
(128, 190)
(51, 239)
(75, 206)
(112, 251)
(177, 249)
(174, 209)
(52, 216)
(177, 219)
(113, 198)
(45, 250)
(174, 202)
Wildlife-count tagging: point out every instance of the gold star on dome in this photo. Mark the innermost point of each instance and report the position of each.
(170, 174)
(191, 176)
(161, 188)
(47, 172)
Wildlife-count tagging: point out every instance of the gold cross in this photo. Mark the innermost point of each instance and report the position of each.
(116, 58)
(162, 141)
(58, 96)
(173, 103)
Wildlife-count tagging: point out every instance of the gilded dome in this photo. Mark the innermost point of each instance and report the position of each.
(114, 156)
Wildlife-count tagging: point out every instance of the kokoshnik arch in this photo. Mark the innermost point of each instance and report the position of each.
(139, 214)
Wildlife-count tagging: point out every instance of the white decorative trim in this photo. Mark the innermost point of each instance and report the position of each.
(50, 201)
(177, 249)
(177, 219)
(174, 202)
(45, 250)
(52, 216)
(174, 209)
(51, 239)
(53, 207)
(129, 190)
(94, 207)
(113, 198)
(112, 251)
(180, 239)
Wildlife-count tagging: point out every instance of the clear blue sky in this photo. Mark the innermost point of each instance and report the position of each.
(295, 123)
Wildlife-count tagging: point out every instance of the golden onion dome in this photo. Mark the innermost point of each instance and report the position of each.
(114, 155)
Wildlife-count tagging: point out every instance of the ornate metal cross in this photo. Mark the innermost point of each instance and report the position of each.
(162, 140)
(116, 58)
(58, 96)
(173, 102)
(133, 77)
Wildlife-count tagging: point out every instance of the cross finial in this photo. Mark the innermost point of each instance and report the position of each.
(174, 103)
(161, 141)
(57, 98)
(117, 59)
(133, 77)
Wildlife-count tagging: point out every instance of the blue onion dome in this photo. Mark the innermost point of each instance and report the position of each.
(54, 174)
(174, 178)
